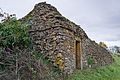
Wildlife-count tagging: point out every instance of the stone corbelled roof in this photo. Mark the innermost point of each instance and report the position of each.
(44, 16)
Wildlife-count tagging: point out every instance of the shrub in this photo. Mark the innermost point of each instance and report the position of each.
(90, 61)
(14, 34)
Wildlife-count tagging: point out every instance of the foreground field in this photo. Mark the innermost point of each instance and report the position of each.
(108, 72)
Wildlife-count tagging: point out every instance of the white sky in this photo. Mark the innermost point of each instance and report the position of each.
(99, 18)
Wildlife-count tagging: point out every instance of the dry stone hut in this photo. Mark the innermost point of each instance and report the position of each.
(62, 41)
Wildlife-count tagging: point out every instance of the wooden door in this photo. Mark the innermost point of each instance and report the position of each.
(77, 54)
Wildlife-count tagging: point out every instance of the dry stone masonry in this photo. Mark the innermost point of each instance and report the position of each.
(62, 41)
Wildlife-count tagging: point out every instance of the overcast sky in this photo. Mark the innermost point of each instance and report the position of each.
(99, 18)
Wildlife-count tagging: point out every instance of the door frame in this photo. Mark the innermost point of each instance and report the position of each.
(80, 65)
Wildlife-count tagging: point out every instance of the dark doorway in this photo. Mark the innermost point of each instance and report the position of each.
(77, 54)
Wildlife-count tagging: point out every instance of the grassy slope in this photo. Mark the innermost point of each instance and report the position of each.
(108, 72)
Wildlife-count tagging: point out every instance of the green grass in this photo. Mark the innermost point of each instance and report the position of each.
(108, 72)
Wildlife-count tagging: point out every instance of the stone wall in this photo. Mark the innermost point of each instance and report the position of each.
(58, 43)
(91, 50)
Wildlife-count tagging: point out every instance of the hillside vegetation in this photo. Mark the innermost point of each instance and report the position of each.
(108, 72)
(18, 57)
